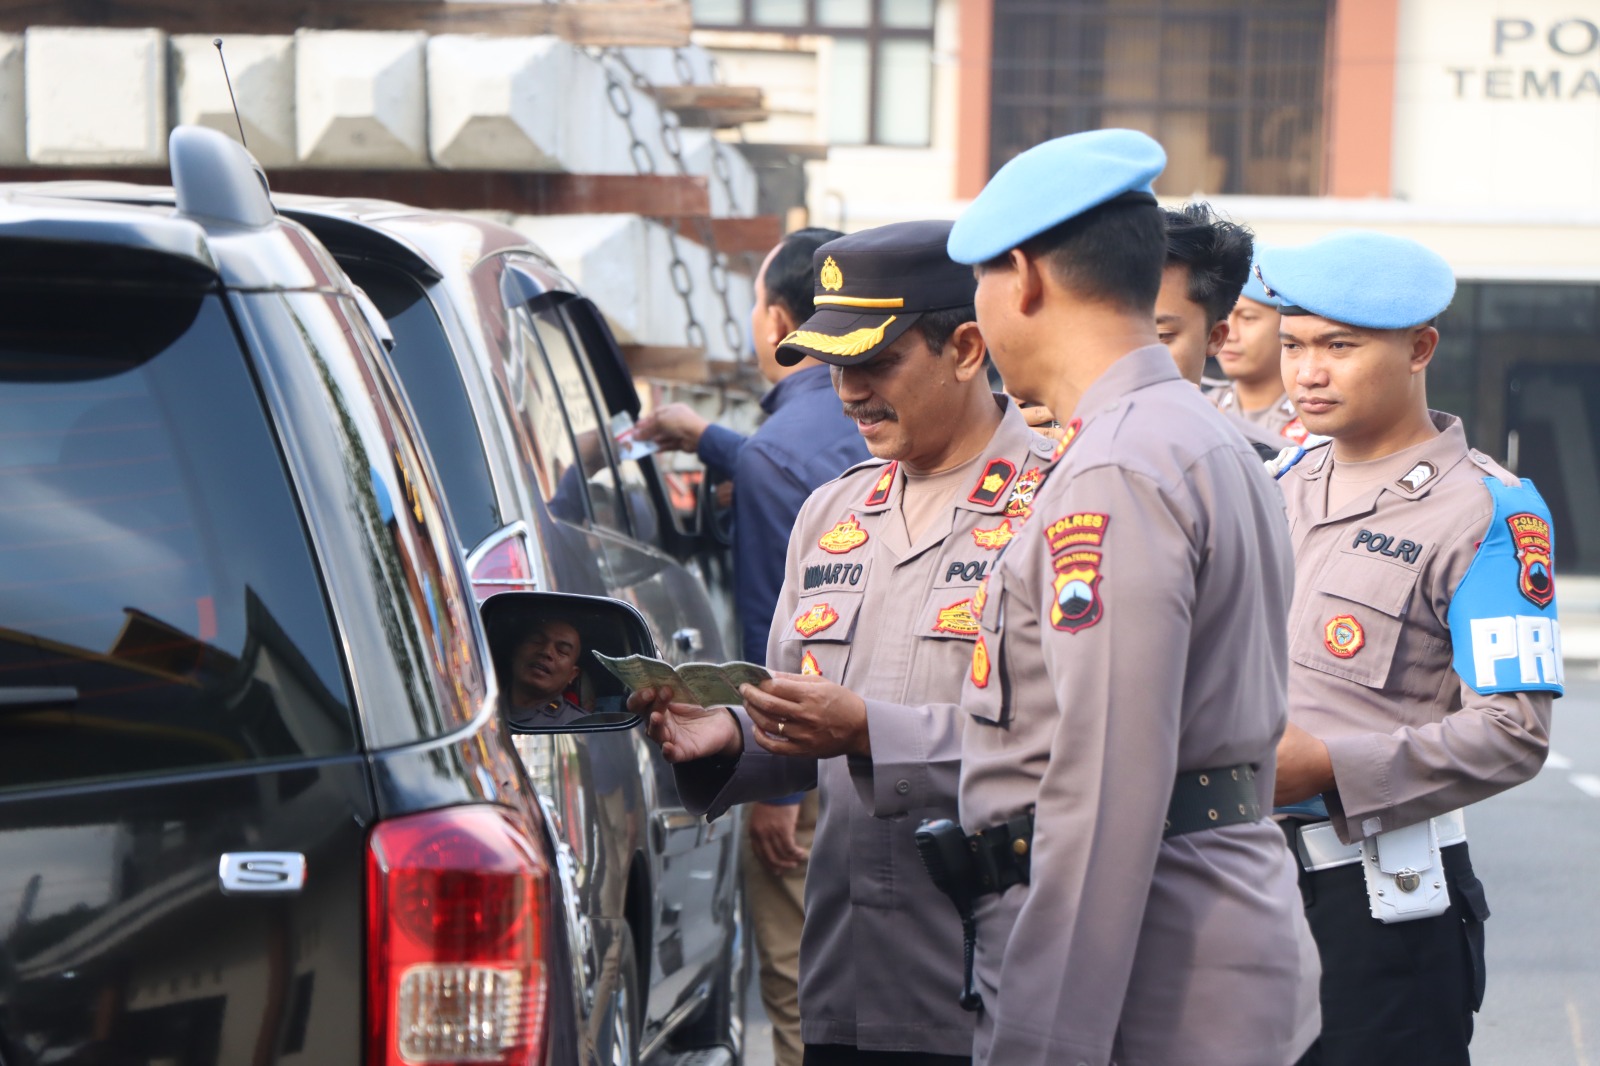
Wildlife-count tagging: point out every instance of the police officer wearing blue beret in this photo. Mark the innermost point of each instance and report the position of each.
(1116, 763)
(1424, 650)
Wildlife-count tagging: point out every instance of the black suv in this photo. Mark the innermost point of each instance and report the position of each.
(257, 803)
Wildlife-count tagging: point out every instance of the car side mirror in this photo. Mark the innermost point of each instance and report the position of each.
(543, 646)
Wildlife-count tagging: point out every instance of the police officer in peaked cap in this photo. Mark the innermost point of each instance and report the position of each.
(1424, 649)
(873, 633)
(1126, 692)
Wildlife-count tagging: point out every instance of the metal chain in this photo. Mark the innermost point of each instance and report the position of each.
(672, 141)
(644, 162)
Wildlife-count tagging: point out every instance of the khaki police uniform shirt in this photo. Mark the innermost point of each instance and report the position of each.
(1370, 646)
(1279, 418)
(1135, 628)
(880, 957)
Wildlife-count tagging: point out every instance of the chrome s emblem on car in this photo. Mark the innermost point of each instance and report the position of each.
(261, 872)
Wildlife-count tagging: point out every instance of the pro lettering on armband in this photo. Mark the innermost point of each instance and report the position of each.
(1531, 642)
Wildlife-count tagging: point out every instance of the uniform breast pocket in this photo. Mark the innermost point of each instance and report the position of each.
(1353, 619)
(823, 625)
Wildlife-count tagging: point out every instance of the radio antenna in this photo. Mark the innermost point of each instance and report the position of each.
(220, 58)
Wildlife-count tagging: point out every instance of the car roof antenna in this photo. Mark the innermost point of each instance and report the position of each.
(218, 42)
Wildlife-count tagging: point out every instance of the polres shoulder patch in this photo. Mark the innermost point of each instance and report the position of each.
(1503, 624)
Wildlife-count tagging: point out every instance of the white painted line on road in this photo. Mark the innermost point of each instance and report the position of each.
(1587, 783)
(1576, 1024)
(1557, 761)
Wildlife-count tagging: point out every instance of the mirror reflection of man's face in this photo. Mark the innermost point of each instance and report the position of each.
(545, 663)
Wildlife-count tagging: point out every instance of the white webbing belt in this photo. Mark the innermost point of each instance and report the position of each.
(1321, 849)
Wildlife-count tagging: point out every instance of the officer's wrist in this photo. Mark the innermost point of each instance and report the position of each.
(733, 747)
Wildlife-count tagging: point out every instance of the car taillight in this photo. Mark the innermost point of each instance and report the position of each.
(457, 906)
(503, 568)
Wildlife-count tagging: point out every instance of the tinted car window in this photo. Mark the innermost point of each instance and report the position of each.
(159, 606)
(426, 364)
(593, 451)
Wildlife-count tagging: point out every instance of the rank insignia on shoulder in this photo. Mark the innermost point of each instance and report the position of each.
(957, 619)
(1077, 605)
(845, 537)
(1343, 636)
(1295, 430)
(1418, 476)
(819, 617)
(1086, 529)
(808, 665)
(1069, 433)
(1530, 534)
(880, 489)
(997, 474)
(996, 538)
(980, 663)
(1020, 504)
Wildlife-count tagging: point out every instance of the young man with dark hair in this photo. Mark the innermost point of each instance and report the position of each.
(1252, 359)
(1208, 259)
(1126, 692)
(805, 442)
(1425, 650)
(874, 632)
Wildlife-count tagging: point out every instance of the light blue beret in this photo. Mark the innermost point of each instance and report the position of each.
(1253, 289)
(1359, 278)
(1050, 183)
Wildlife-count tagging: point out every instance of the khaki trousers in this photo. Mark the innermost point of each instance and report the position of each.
(777, 910)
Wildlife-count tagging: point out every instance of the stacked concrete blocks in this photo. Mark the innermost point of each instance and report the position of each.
(96, 97)
(497, 103)
(13, 117)
(263, 73)
(360, 99)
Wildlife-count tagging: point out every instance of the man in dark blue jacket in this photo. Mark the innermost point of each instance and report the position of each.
(806, 441)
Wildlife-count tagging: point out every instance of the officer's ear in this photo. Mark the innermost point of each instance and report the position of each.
(966, 350)
(1217, 337)
(1424, 342)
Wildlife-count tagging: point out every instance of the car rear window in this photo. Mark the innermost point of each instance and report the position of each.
(426, 364)
(159, 607)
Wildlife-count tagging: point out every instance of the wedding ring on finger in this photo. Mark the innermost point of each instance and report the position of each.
(780, 727)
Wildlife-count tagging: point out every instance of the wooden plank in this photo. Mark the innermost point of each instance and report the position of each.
(667, 363)
(735, 236)
(452, 190)
(604, 23)
(714, 106)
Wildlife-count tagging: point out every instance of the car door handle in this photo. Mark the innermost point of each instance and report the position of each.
(676, 831)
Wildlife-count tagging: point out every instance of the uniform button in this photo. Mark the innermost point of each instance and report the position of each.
(902, 787)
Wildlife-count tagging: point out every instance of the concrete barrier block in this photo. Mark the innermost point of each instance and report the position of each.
(623, 263)
(733, 194)
(13, 118)
(605, 257)
(360, 99)
(96, 96)
(262, 68)
(596, 138)
(496, 103)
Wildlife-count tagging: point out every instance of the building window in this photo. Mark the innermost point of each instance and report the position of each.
(879, 81)
(1233, 91)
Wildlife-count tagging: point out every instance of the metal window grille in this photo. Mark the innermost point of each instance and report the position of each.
(1234, 91)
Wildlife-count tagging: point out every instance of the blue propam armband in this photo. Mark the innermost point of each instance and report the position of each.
(1503, 624)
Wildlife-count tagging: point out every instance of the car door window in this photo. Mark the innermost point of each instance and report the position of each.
(523, 380)
(598, 477)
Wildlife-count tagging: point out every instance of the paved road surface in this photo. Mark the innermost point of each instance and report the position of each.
(1537, 850)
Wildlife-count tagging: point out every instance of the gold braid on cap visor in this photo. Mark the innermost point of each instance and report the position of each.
(853, 343)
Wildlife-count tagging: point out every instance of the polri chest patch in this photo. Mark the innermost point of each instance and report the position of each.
(996, 538)
(1404, 549)
(819, 617)
(957, 620)
(1343, 636)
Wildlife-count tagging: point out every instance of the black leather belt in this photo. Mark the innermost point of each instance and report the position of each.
(1002, 855)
